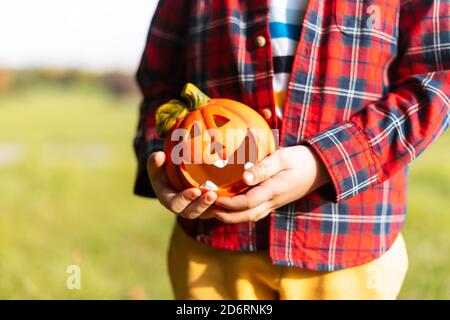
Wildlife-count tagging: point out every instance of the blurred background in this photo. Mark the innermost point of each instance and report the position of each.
(68, 111)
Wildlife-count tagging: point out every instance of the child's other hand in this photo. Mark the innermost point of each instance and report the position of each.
(283, 177)
(189, 204)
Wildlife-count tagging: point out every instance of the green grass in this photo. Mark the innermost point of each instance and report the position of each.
(66, 198)
(68, 203)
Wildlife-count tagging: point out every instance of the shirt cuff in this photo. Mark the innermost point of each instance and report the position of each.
(349, 159)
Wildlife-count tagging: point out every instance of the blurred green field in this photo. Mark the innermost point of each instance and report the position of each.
(66, 176)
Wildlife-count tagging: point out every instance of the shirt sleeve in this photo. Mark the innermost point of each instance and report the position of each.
(161, 76)
(388, 134)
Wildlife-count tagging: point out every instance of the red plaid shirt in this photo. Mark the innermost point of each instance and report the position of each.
(369, 92)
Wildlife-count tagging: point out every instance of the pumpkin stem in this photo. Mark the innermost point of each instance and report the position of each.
(194, 97)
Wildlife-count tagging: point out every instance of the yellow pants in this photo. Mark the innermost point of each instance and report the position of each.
(198, 271)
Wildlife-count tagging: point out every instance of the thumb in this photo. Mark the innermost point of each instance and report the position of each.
(263, 170)
(155, 163)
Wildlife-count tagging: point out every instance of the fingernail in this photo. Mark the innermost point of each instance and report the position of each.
(194, 195)
(210, 198)
(249, 177)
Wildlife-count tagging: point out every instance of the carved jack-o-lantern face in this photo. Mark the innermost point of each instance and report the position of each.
(212, 142)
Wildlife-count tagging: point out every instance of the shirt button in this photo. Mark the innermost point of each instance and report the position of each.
(267, 113)
(260, 41)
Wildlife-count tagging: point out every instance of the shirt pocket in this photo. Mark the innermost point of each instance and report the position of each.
(374, 20)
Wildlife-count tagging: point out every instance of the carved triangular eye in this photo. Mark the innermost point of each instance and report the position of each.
(220, 120)
(195, 131)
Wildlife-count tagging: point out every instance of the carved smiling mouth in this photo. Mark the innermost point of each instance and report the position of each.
(221, 164)
(223, 173)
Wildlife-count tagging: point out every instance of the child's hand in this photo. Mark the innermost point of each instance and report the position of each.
(190, 203)
(283, 177)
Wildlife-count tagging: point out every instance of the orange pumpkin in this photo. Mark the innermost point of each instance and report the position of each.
(210, 142)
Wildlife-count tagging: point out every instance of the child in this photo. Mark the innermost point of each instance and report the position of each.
(358, 89)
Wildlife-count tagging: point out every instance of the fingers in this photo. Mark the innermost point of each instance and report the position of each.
(251, 215)
(251, 199)
(155, 165)
(180, 201)
(198, 207)
(189, 203)
(264, 169)
(158, 178)
(170, 198)
(209, 213)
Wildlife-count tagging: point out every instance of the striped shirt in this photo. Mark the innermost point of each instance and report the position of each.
(286, 18)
